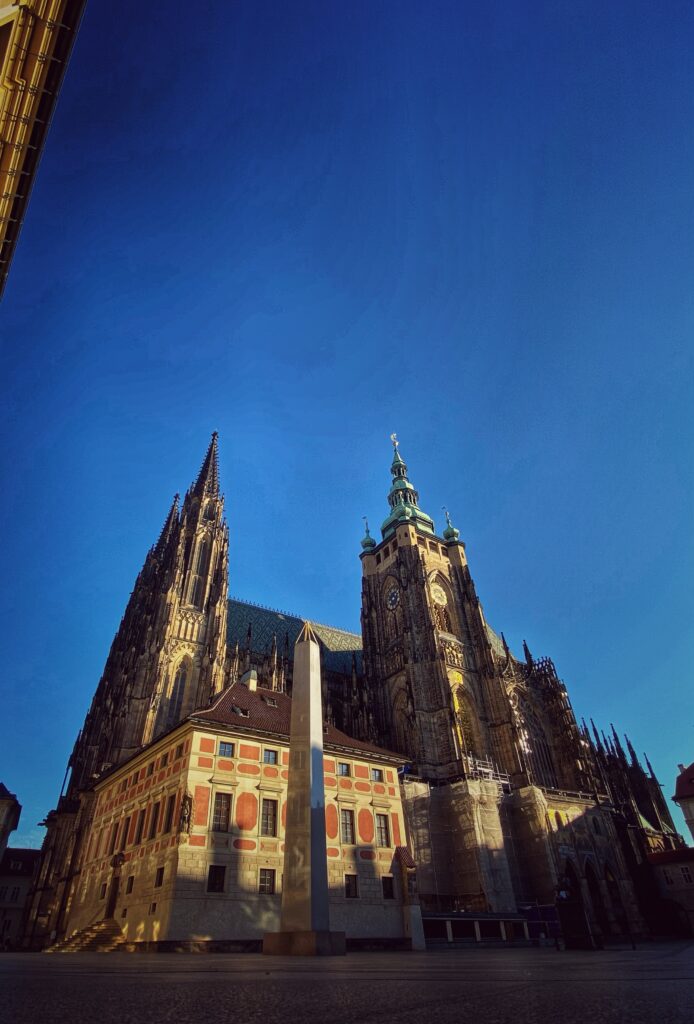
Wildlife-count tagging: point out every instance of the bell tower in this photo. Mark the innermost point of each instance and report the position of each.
(438, 697)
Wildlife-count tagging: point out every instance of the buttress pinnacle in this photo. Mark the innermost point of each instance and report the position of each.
(169, 526)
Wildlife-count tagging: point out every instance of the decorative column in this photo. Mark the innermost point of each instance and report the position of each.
(305, 915)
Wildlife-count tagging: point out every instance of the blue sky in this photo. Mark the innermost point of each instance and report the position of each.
(308, 225)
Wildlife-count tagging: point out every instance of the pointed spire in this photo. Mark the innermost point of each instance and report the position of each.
(208, 477)
(617, 744)
(632, 752)
(169, 526)
(528, 655)
(403, 498)
(598, 742)
(650, 767)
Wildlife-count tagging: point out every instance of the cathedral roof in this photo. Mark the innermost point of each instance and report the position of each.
(337, 645)
(269, 711)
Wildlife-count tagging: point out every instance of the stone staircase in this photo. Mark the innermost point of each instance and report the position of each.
(102, 937)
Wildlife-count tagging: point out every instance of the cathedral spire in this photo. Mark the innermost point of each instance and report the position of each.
(208, 477)
(168, 528)
(403, 498)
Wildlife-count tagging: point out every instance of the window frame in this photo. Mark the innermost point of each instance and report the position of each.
(382, 829)
(271, 879)
(266, 801)
(347, 816)
(217, 824)
(220, 876)
(344, 774)
(271, 756)
(351, 886)
(226, 753)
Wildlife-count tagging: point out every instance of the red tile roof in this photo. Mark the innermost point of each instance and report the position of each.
(263, 716)
(684, 855)
(684, 783)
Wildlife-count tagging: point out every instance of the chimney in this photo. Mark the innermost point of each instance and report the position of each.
(249, 679)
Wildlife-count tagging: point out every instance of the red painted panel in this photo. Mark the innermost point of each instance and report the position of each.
(396, 829)
(206, 745)
(367, 855)
(362, 787)
(244, 844)
(389, 775)
(379, 788)
(205, 762)
(328, 765)
(133, 826)
(361, 771)
(331, 828)
(247, 811)
(345, 784)
(330, 782)
(201, 805)
(332, 852)
(270, 773)
(391, 790)
(285, 757)
(284, 815)
(197, 840)
(249, 769)
(224, 765)
(252, 753)
(366, 825)
(285, 774)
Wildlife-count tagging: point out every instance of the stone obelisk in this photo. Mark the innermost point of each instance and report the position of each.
(305, 914)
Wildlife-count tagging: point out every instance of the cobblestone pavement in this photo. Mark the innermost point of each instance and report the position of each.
(653, 983)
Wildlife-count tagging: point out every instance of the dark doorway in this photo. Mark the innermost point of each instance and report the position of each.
(112, 897)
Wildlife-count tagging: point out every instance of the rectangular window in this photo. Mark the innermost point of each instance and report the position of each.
(14, 895)
(343, 768)
(221, 814)
(687, 875)
(388, 887)
(112, 840)
(179, 751)
(215, 878)
(150, 769)
(347, 826)
(102, 891)
(270, 756)
(140, 827)
(351, 887)
(159, 878)
(268, 822)
(226, 749)
(266, 881)
(129, 884)
(382, 833)
(152, 908)
(164, 760)
(168, 817)
(124, 912)
(376, 775)
(154, 821)
(669, 880)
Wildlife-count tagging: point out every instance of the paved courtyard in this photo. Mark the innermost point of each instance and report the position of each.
(653, 983)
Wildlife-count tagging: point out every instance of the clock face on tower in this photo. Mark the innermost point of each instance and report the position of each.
(393, 598)
(438, 594)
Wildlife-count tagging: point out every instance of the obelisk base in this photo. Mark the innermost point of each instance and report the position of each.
(304, 944)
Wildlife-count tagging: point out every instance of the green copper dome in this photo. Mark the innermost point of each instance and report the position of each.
(450, 533)
(367, 540)
(403, 499)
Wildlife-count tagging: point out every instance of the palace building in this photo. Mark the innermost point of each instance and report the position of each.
(458, 783)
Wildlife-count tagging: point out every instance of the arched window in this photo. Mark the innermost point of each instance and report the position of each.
(557, 818)
(536, 748)
(177, 694)
(203, 558)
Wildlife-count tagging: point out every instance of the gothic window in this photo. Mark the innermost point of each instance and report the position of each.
(536, 748)
(203, 559)
(442, 618)
(177, 694)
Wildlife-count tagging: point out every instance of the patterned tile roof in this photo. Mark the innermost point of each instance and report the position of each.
(337, 645)
(275, 717)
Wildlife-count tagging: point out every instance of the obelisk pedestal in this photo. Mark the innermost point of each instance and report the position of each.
(305, 914)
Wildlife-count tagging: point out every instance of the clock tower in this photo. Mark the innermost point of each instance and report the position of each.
(427, 655)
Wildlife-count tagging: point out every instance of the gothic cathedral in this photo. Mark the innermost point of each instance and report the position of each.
(510, 805)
